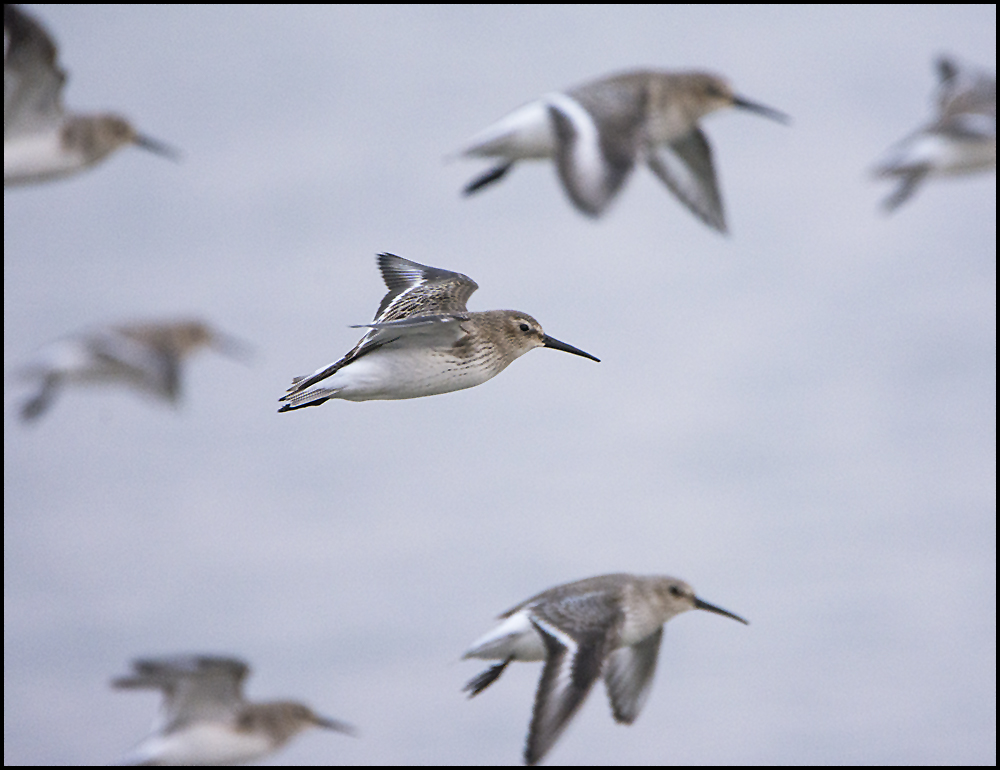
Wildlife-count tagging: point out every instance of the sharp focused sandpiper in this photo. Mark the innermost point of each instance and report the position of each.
(423, 342)
(41, 140)
(146, 356)
(597, 132)
(962, 139)
(205, 720)
(609, 625)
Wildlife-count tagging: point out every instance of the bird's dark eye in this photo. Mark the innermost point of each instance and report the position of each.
(525, 328)
(675, 591)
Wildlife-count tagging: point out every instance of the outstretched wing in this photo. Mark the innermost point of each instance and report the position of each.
(195, 687)
(685, 166)
(964, 89)
(592, 163)
(579, 633)
(416, 289)
(143, 363)
(32, 80)
(628, 674)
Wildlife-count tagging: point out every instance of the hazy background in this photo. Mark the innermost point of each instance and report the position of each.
(798, 419)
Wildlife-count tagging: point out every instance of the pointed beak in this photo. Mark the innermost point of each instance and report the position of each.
(552, 342)
(760, 109)
(233, 347)
(154, 146)
(333, 724)
(700, 605)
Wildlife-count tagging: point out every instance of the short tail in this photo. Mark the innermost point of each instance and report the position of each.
(479, 683)
(493, 175)
(908, 185)
(307, 398)
(34, 407)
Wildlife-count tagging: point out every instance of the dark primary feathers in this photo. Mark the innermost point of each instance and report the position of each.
(688, 172)
(628, 676)
(416, 289)
(32, 79)
(572, 664)
(195, 687)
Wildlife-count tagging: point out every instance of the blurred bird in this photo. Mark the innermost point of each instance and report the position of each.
(423, 342)
(205, 720)
(597, 132)
(962, 139)
(609, 625)
(145, 356)
(41, 140)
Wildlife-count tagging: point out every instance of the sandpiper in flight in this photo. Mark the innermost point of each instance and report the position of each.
(41, 140)
(145, 356)
(205, 719)
(597, 132)
(962, 139)
(609, 625)
(423, 342)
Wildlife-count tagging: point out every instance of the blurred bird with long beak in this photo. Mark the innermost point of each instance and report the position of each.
(41, 139)
(598, 132)
(145, 356)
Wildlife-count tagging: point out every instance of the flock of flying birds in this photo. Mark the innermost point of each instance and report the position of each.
(424, 341)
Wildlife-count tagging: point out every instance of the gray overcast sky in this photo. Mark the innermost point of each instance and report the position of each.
(798, 419)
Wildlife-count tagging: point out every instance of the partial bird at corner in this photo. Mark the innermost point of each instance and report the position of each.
(609, 626)
(205, 720)
(423, 342)
(41, 139)
(598, 132)
(962, 138)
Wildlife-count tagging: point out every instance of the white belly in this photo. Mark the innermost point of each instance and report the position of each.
(406, 372)
(35, 157)
(941, 155)
(207, 743)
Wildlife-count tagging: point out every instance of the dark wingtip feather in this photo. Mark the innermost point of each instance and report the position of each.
(480, 682)
(488, 178)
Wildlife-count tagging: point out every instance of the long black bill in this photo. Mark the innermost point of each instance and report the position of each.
(700, 605)
(760, 109)
(233, 347)
(154, 146)
(334, 724)
(551, 342)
